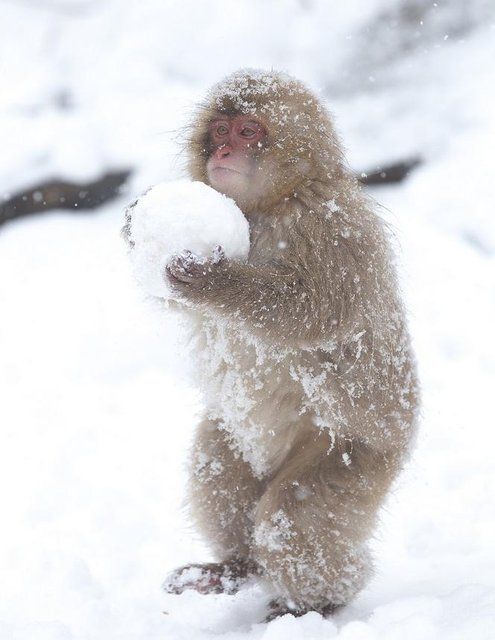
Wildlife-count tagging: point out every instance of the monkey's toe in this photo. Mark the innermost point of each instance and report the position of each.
(278, 608)
(215, 577)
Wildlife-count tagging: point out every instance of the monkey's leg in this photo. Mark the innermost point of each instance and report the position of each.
(313, 522)
(222, 496)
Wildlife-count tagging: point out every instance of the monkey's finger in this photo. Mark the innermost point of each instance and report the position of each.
(190, 261)
(218, 254)
(176, 274)
(186, 266)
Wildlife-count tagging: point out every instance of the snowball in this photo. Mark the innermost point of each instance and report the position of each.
(175, 216)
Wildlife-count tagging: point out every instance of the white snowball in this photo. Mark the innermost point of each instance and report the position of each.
(175, 216)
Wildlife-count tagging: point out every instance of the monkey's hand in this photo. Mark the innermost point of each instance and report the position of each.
(189, 269)
(274, 299)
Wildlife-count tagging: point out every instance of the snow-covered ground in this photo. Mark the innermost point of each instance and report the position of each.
(97, 404)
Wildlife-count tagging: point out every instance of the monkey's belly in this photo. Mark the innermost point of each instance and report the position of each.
(261, 395)
(250, 393)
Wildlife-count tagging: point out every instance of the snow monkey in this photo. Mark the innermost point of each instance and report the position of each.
(309, 380)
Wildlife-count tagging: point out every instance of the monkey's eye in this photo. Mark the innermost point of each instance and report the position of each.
(222, 130)
(247, 132)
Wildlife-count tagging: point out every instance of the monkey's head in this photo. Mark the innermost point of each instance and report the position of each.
(259, 137)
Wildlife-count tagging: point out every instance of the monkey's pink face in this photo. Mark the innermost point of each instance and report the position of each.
(235, 143)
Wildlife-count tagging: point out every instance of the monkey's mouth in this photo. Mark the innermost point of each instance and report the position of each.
(226, 170)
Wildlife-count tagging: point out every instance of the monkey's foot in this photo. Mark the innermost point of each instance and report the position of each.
(278, 608)
(215, 577)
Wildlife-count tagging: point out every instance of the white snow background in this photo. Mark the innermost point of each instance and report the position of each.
(97, 403)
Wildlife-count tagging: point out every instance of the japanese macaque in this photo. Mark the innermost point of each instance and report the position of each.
(305, 361)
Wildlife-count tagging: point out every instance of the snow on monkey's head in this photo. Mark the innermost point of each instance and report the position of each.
(259, 136)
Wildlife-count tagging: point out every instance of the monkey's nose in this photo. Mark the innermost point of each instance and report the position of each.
(223, 151)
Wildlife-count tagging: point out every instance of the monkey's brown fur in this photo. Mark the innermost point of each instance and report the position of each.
(306, 364)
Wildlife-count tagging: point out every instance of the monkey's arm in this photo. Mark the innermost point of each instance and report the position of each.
(274, 298)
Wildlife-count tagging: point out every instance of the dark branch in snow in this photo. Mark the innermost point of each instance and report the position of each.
(390, 174)
(58, 194)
